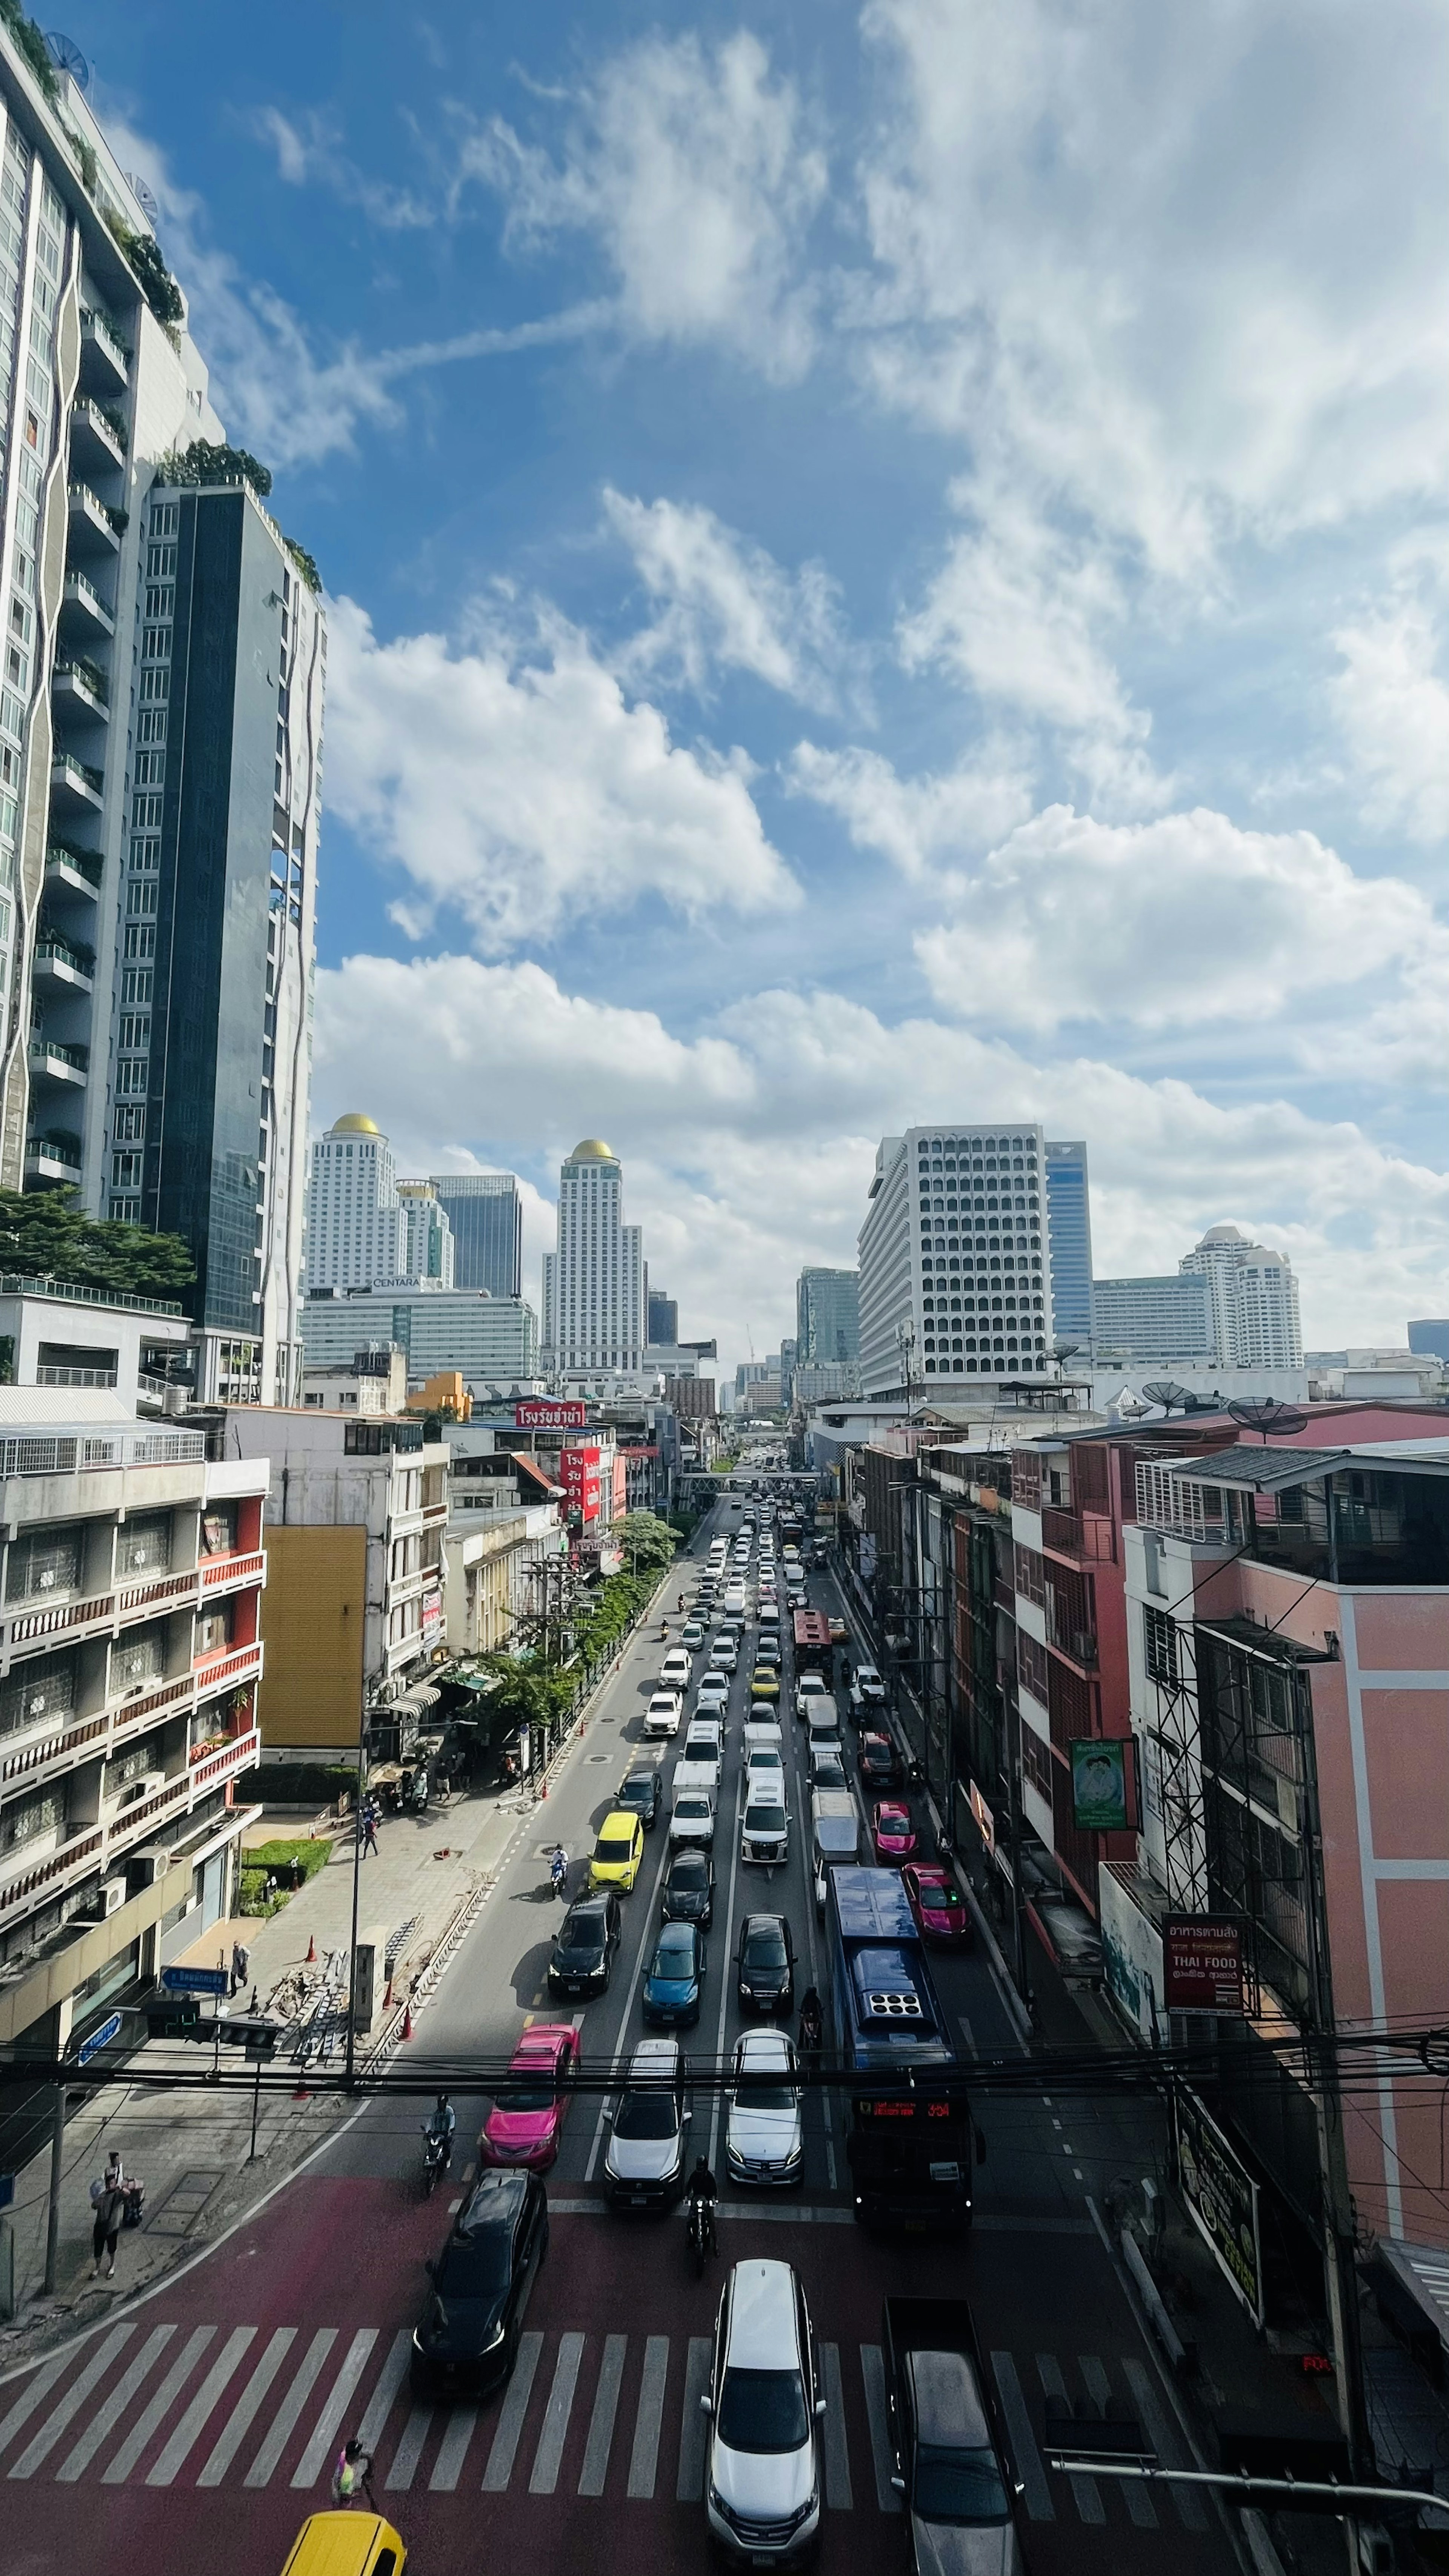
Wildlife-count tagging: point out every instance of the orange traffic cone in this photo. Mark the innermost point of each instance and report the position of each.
(407, 2028)
(311, 1959)
(543, 1790)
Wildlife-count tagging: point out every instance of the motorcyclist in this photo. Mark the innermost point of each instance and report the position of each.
(812, 2022)
(679, 1605)
(443, 2126)
(702, 2188)
(558, 1869)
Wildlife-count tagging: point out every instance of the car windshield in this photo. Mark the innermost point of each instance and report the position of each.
(763, 2410)
(765, 1820)
(693, 1804)
(582, 1932)
(959, 2486)
(674, 1956)
(941, 1900)
(527, 2097)
(768, 2097)
(637, 1793)
(613, 1847)
(476, 2267)
(765, 1949)
(647, 2115)
(689, 1873)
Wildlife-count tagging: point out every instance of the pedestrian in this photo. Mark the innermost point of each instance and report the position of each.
(109, 2206)
(240, 1963)
(352, 2475)
(299, 1877)
(369, 1832)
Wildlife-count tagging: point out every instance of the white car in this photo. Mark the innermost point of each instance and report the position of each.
(691, 1819)
(809, 1686)
(675, 1670)
(644, 2159)
(704, 1735)
(735, 1597)
(870, 1686)
(763, 1760)
(762, 2483)
(713, 1695)
(663, 1713)
(764, 2128)
(724, 1654)
(765, 1833)
(769, 1611)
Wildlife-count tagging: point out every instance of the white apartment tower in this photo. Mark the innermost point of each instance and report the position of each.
(354, 1221)
(955, 1255)
(1252, 1300)
(593, 1285)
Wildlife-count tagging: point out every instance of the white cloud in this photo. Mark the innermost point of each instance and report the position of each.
(1168, 924)
(1391, 700)
(524, 788)
(695, 173)
(724, 603)
(309, 154)
(916, 822)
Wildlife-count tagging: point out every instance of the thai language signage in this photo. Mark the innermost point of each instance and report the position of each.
(1222, 2199)
(1103, 1799)
(539, 1415)
(1202, 1962)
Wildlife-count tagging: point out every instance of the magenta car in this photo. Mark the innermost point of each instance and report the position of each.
(938, 1906)
(526, 2121)
(895, 1835)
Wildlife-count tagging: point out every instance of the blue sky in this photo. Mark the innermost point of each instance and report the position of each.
(883, 566)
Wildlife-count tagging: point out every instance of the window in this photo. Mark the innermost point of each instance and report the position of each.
(43, 1688)
(140, 939)
(29, 1818)
(136, 984)
(151, 724)
(44, 1560)
(214, 1628)
(156, 684)
(141, 895)
(146, 810)
(125, 1211)
(160, 562)
(130, 1126)
(150, 768)
(1031, 1666)
(160, 603)
(125, 1171)
(131, 1077)
(1160, 1632)
(1030, 1575)
(140, 1659)
(165, 519)
(135, 1033)
(146, 851)
(156, 641)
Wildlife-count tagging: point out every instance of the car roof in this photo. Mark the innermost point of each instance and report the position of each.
(541, 2043)
(624, 1816)
(763, 2048)
(655, 2057)
(760, 1922)
(494, 2201)
(947, 2401)
(762, 2310)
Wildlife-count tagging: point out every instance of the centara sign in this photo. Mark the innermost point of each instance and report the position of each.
(540, 1416)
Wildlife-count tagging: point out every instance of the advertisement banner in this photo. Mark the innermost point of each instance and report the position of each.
(1102, 1800)
(579, 1475)
(539, 1414)
(1202, 1964)
(985, 1821)
(1222, 2199)
(1131, 1957)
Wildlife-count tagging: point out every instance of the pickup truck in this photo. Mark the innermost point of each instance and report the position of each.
(702, 1773)
(952, 2463)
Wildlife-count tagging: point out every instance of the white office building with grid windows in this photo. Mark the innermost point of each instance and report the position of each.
(593, 1284)
(955, 1280)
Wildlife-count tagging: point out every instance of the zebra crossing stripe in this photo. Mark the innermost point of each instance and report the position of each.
(193, 2423)
(71, 2403)
(1165, 2443)
(247, 2407)
(837, 2456)
(283, 2423)
(694, 2426)
(648, 2423)
(313, 2459)
(1086, 2494)
(103, 2423)
(548, 2458)
(409, 2450)
(453, 2450)
(601, 2423)
(511, 2415)
(380, 2404)
(1140, 2507)
(872, 2371)
(1023, 2440)
(32, 2395)
(119, 2469)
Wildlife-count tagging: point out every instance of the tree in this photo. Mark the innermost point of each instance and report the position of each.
(526, 1694)
(647, 1541)
(44, 1235)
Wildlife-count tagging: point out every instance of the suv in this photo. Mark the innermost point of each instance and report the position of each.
(763, 2481)
(663, 1713)
(644, 2159)
(640, 1794)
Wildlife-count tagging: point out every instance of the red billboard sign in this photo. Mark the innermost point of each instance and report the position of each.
(1202, 1964)
(538, 1414)
(579, 1475)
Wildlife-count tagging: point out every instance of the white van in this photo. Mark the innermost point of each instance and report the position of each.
(762, 1731)
(834, 1836)
(765, 1833)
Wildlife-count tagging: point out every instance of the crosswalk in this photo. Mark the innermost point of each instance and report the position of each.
(585, 2414)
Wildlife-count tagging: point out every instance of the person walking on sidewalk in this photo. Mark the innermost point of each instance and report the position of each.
(352, 2475)
(369, 1831)
(240, 1962)
(108, 2204)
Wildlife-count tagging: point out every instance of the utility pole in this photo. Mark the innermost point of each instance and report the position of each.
(57, 2172)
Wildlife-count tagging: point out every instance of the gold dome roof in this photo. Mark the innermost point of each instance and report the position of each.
(355, 1124)
(593, 1150)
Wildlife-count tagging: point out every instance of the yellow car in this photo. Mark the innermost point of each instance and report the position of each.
(346, 2544)
(764, 1684)
(618, 1853)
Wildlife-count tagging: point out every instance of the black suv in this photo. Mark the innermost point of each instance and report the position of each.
(766, 1964)
(639, 1797)
(689, 1888)
(583, 1952)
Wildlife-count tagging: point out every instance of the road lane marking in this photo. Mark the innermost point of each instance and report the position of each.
(1029, 2467)
(1165, 2443)
(193, 2422)
(644, 2458)
(70, 2404)
(40, 2387)
(1140, 2508)
(548, 2458)
(403, 2466)
(453, 2450)
(1086, 2494)
(239, 2424)
(837, 2454)
(119, 2469)
(632, 1989)
(510, 2421)
(314, 2459)
(380, 2404)
(724, 1992)
(105, 2420)
(694, 2424)
(283, 2423)
(601, 2423)
(872, 2371)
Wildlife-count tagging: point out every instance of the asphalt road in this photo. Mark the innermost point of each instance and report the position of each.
(199, 2428)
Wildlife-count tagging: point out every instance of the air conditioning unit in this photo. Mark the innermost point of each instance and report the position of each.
(111, 1898)
(143, 1868)
(149, 1784)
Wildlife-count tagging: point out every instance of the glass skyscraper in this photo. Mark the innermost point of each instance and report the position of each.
(486, 1215)
(1069, 1235)
(827, 1316)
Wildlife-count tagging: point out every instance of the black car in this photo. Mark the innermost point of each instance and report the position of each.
(880, 1763)
(766, 1963)
(466, 2340)
(583, 1952)
(639, 1796)
(689, 1889)
(767, 1648)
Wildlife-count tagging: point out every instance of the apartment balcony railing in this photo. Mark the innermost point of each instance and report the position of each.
(76, 788)
(50, 1375)
(57, 1751)
(82, 690)
(52, 1155)
(103, 347)
(86, 1452)
(97, 436)
(93, 522)
(50, 1877)
(1072, 1534)
(181, 1591)
(67, 1064)
(84, 606)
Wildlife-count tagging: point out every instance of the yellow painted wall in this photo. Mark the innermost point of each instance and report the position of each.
(312, 1621)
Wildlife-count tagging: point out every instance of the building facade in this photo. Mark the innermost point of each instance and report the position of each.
(427, 1250)
(355, 1228)
(492, 1340)
(1253, 1298)
(954, 1260)
(1135, 1322)
(661, 1319)
(593, 1284)
(485, 1219)
(827, 1318)
(1069, 1224)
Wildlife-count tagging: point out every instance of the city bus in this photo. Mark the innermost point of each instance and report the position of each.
(908, 2128)
(814, 1648)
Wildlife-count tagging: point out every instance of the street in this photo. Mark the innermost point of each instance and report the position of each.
(211, 2413)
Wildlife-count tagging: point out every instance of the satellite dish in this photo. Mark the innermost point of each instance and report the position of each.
(144, 198)
(1166, 1392)
(66, 55)
(1269, 1416)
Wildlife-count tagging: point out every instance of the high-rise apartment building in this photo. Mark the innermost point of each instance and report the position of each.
(954, 1252)
(593, 1284)
(1069, 1223)
(827, 1317)
(662, 1320)
(355, 1224)
(485, 1215)
(1137, 1322)
(1253, 1297)
(427, 1238)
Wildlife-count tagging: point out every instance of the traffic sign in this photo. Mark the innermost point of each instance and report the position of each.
(99, 2039)
(195, 1981)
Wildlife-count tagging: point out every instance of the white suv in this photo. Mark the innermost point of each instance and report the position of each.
(763, 2486)
(663, 1713)
(644, 2159)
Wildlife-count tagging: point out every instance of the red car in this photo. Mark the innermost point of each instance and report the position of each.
(938, 1905)
(895, 1835)
(526, 2121)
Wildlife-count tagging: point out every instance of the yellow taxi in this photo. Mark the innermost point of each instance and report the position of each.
(618, 1852)
(764, 1684)
(346, 2544)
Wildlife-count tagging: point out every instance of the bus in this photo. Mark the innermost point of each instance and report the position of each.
(814, 1646)
(908, 2127)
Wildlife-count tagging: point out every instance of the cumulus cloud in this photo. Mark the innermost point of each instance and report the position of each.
(523, 787)
(694, 171)
(725, 604)
(916, 823)
(1391, 699)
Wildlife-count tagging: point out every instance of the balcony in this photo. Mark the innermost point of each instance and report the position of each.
(75, 787)
(52, 1158)
(109, 1610)
(47, 1375)
(66, 1065)
(83, 609)
(98, 437)
(95, 528)
(62, 966)
(73, 872)
(80, 692)
(1083, 1541)
(51, 1876)
(105, 358)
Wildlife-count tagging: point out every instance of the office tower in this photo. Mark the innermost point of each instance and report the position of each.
(1069, 1222)
(663, 1320)
(954, 1282)
(1253, 1298)
(1429, 1338)
(492, 1340)
(593, 1284)
(1138, 1322)
(426, 1248)
(827, 1316)
(485, 1214)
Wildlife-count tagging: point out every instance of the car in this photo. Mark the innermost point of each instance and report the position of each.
(640, 1792)
(938, 1905)
(688, 1894)
(763, 1759)
(692, 1633)
(892, 1831)
(713, 1695)
(582, 1957)
(810, 1686)
(765, 1832)
(674, 1978)
(762, 1726)
(762, 2473)
(735, 1596)
(644, 2159)
(839, 1633)
(880, 1763)
(466, 2341)
(765, 1964)
(691, 1818)
(827, 1767)
(950, 2468)
(724, 1655)
(663, 1713)
(764, 1683)
(675, 1670)
(526, 2121)
(767, 1645)
(764, 2129)
(870, 1686)
(618, 1851)
(703, 1736)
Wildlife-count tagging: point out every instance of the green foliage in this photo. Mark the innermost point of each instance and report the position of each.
(85, 161)
(157, 283)
(528, 1693)
(43, 1234)
(647, 1541)
(33, 46)
(212, 461)
(297, 1784)
(306, 565)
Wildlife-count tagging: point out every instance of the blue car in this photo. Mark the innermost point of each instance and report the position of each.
(674, 1981)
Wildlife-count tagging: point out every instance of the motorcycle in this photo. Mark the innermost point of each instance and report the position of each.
(701, 2230)
(437, 2156)
(558, 1870)
(812, 2033)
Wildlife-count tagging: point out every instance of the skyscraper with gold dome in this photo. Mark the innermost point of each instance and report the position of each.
(593, 1284)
